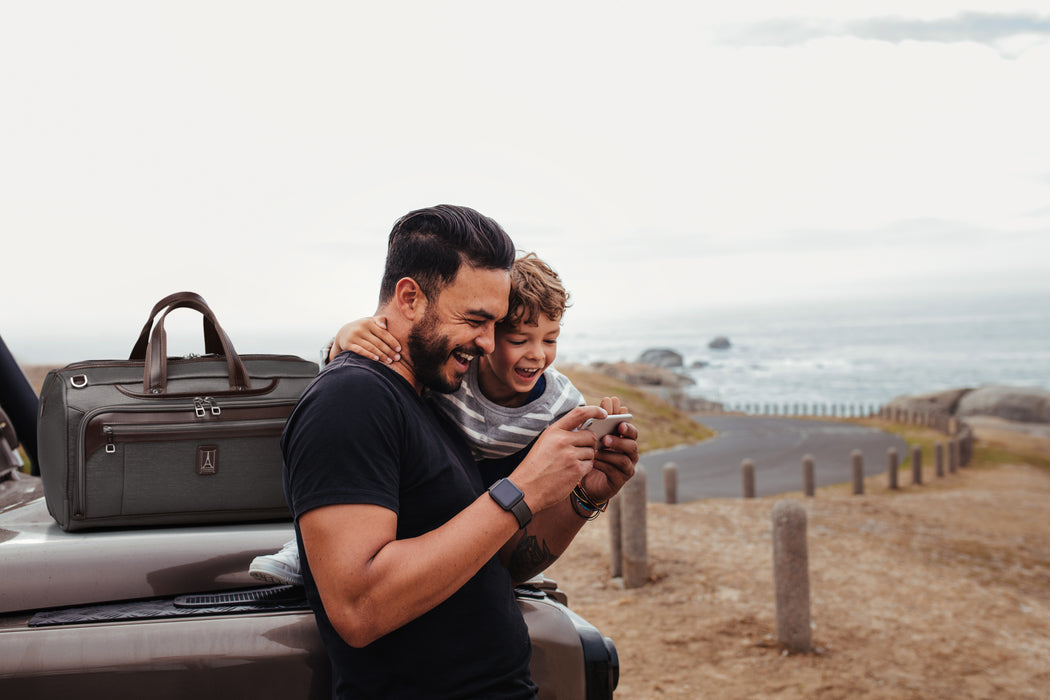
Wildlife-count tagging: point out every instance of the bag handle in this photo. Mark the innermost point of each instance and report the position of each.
(212, 344)
(155, 370)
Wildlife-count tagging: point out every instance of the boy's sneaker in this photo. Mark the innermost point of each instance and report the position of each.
(280, 568)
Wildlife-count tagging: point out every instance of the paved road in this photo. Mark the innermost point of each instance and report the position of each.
(777, 446)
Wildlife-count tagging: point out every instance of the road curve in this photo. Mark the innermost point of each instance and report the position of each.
(777, 446)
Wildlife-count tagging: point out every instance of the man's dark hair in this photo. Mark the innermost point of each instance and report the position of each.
(430, 244)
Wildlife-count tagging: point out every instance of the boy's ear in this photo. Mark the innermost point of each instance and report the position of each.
(410, 299)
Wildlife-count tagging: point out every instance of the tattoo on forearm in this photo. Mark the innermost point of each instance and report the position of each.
(529, 557)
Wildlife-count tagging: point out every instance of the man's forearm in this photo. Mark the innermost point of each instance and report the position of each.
(372, 583)
(542, 541)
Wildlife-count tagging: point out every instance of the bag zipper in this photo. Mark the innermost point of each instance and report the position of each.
(186, 431)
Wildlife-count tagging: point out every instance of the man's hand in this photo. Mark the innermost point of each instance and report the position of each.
(561, 457)
(616, 457)
(601, 468)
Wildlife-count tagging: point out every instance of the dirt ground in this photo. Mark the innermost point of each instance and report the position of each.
(933, 591)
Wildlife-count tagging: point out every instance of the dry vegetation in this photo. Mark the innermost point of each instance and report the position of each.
(660, 425)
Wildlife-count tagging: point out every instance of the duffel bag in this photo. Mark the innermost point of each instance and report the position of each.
(154, 440)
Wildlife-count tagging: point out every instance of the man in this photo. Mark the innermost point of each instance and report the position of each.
(407, 561)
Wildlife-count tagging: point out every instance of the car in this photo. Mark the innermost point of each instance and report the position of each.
(171, 612)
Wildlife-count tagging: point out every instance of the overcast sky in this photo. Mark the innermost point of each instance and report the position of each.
(660, 155)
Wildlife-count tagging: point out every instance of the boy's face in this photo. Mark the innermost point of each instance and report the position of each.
(523, 352)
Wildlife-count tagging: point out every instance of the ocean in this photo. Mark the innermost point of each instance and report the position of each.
(828, 353)
(856, 353)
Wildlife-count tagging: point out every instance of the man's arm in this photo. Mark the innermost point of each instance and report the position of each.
(551, 531)
(372, 583)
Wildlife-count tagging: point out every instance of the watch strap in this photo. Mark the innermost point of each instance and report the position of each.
(509, 497)
(522, 512)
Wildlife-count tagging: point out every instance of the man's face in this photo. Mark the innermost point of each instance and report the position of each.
(457, 327)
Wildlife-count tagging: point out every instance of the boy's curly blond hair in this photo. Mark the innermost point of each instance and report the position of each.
(535, 289)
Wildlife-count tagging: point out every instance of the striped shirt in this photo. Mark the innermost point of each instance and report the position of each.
(495, 431)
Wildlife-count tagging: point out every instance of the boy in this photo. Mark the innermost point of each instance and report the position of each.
(507, 397)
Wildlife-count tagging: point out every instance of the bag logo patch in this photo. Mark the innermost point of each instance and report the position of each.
(207, 460)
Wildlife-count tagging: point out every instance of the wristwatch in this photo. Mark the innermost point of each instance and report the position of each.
(510, 498)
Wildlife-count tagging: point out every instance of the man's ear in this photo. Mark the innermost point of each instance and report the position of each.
(410, 299)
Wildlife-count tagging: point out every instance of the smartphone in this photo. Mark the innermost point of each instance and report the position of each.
(603, 426)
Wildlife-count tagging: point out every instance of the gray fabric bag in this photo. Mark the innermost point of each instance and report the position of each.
(158, 441)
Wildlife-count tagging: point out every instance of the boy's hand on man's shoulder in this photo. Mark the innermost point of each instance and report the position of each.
(367, 337)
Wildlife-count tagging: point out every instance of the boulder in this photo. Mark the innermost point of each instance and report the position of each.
(661, 357)
(719, 343)
(661, 382)
(1022, 404)
(641, 374)
(937, 402)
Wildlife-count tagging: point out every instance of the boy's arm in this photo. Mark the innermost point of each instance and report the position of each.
(367, 337)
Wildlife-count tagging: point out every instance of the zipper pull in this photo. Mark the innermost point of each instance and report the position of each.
(198, 407)
(110, 447)
(215, 410)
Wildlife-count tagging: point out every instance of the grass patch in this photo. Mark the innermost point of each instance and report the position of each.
(660, 425)
(985, 454)
(991, 455)
(925, 439)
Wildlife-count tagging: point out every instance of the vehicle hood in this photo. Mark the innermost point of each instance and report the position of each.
(45, 567)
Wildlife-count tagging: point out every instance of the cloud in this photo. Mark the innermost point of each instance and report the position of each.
(980, 27)
(993, 29)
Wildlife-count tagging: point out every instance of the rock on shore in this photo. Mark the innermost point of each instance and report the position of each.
(1021, 404)
(663, 382)
(661, 357)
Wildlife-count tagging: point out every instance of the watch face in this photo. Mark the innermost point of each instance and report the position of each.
(506, 493)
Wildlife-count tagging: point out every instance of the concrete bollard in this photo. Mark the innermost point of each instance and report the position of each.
(671, 483)
(938, 458)
(614, 515)
(857, 466)
(747, 477)
(809, 484)
(892, 465)
(634, 536)
(966, 447)
(791, 576)
(916, 465)
(953, 455)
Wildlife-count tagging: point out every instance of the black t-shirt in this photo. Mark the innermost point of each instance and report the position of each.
(361, 434)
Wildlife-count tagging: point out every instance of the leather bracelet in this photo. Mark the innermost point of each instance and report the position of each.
(581, 509)
(586, 498)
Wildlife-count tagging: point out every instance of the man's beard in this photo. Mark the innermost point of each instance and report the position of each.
(429, 353)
